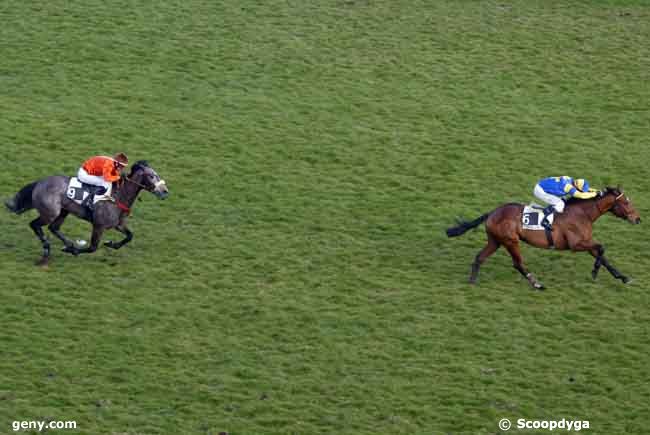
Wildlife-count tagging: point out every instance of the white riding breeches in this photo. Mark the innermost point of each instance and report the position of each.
(95, 180)
(555, 201)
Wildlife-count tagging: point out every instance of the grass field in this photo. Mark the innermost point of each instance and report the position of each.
(298, 280)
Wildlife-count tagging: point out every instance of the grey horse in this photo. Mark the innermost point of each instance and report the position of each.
(48, 197)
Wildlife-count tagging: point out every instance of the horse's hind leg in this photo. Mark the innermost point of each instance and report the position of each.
(518, 263)
(56, 225)
(37, 226)
(489, 249)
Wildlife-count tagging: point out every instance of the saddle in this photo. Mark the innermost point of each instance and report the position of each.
(532, 217)
(86, 195)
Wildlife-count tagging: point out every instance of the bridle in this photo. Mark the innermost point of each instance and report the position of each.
(135, 182)
(620, 195)
(125, 208)
(155, 186)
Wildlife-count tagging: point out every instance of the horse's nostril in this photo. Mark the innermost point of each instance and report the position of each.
(638, 220)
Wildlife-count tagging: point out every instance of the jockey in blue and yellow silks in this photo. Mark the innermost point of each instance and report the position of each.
(552, 189)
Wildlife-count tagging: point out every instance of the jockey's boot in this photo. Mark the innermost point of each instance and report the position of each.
(89, 202)
(547, 212)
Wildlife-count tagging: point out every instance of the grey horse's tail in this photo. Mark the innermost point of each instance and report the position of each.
(23, 200)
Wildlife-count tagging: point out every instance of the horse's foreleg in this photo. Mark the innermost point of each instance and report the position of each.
(598, 252)
(518, 263)
(601, 260)
(94, 242)
(489, 249)
(615, 273)
(117, 245)
(37, 226)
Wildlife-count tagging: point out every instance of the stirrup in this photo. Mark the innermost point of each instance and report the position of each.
(548, 211)
(548, 231)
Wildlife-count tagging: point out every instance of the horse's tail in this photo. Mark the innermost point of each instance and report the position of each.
(23, 199)
(463, 226)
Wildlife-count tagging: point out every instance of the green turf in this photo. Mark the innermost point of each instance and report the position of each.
(298, 279)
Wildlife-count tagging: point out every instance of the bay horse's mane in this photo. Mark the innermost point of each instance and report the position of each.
(605, 191)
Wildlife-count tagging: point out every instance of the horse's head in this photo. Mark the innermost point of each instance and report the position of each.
(622, 207)
(148, 179)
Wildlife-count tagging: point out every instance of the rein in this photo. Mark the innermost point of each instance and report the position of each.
(161, 182)
(136, 183)
(125, 208)
(122, 206)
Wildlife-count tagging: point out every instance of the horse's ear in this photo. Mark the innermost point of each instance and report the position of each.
(140, 164)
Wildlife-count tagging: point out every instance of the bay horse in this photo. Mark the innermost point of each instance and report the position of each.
(572, 230)
(48, 197)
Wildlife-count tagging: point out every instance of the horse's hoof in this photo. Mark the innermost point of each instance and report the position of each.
(110, 244)
(538, 286)
(627, 280)
(71, 250)
(43, 262)
(594, 275)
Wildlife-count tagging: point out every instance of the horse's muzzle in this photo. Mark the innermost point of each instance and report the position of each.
(160, 189)
(637, 221)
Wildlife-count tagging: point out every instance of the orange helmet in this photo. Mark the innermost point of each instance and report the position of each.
(121, 159)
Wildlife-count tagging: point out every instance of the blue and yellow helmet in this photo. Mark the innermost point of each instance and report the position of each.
(581, 184)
